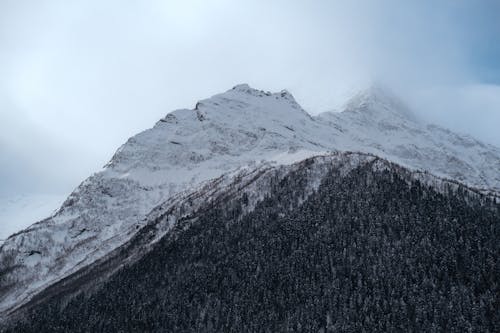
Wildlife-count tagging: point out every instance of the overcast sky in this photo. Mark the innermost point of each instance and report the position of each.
(77, 78)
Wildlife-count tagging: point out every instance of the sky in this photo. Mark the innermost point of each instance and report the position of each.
(77, 78)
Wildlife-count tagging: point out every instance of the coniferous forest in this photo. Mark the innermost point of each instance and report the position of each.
(367, 252)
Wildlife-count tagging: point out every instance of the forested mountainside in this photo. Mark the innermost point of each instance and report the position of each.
(370, 248)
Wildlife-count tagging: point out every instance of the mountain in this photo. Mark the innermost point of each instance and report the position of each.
(230, 134)
(343, 242)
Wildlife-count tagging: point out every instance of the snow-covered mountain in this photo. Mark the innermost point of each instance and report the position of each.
(237, 131)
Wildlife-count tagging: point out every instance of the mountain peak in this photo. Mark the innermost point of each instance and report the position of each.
(242, 97)
(243, 87)
(380, 101)
(246, 89)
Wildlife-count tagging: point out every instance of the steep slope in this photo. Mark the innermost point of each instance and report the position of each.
(347, 242)
(240, 129)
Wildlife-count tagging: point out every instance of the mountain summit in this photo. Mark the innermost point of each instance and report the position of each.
(240, 130)
(380, 102)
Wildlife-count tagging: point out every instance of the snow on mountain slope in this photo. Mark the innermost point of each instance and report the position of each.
(378, 123)
(242, 128)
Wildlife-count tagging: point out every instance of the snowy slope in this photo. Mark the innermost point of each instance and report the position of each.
(374, 121)
(240, 129)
